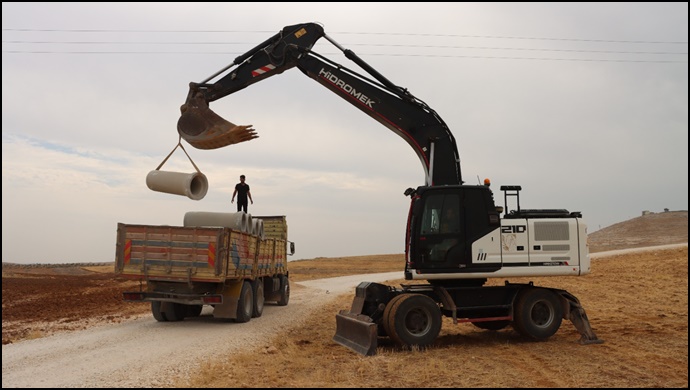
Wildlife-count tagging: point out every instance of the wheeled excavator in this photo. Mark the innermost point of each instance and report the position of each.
(447, 262)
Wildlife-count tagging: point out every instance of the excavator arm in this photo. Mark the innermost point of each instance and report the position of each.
(392, 106)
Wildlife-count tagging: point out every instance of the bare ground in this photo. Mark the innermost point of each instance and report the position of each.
(636, 302)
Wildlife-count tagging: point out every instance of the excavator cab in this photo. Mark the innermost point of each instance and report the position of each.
(204, 129)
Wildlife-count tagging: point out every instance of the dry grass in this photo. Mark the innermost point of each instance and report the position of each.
(322, 267)
(637, 303)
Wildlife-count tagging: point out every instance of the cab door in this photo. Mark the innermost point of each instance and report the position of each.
(440, 233)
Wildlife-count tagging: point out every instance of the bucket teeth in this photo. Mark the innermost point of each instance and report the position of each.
(204, 129)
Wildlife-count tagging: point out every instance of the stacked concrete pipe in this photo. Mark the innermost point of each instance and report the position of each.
(240, 221)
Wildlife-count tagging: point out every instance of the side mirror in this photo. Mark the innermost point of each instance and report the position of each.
(292, 248)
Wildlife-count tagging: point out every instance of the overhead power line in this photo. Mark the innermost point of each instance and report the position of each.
(22, 43)
(351, 44)
(344, 33)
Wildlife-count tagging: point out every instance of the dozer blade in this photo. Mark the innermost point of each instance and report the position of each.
(357, 332)
(204, 129)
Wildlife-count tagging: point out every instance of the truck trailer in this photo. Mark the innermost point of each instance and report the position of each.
(183, 268)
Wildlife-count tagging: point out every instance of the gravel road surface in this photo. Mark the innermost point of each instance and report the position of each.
(147, 353)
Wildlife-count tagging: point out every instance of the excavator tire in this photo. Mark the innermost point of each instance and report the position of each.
(414, 320)
(538, 313)
(388, 320)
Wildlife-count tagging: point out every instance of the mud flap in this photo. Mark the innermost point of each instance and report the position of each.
(204, 129)
(357, 332)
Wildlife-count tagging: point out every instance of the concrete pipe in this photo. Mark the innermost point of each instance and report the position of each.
(235, 221)
(258, 227)
(192, 185)
(250, 224)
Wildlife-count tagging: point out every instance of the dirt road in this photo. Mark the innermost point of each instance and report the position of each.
(114, 355)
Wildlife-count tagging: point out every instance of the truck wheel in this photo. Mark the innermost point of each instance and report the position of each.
(156, 311)
(193, 310)
(284, 291)
(416, 320)
(538, 313)
(492, 325)
(258, 292)
(245, 305)
(178, 312)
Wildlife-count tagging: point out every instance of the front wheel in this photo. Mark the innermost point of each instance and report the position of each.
(538, 313)
(414, 320)
(284, 291)
(245, 305)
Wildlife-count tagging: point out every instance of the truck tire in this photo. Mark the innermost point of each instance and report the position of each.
(416, 320)
(259, 299)
(178, 313)
(284, 291)
(492, 325)
(245, 305)
(156, 311)
(538, 313)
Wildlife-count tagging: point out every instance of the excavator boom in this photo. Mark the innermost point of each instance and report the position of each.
(392, 106)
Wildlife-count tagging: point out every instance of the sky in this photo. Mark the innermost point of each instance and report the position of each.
(585, 105)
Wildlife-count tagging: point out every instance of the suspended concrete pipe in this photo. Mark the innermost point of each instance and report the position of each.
(236, 221)
(192, 185)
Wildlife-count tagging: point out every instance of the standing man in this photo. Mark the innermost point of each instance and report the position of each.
(242, 192)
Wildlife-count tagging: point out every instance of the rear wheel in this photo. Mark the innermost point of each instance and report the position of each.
(156, 311)
(259, 299)
(168, 311)
(284, 291)
(538, 313)
(416, 320)
(245, 304)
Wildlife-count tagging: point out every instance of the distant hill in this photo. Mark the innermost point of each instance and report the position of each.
(669, 227)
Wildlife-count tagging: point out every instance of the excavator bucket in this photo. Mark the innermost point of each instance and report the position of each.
(204, 129)
(357, 332)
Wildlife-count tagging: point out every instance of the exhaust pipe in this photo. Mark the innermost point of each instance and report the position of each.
(204, 129)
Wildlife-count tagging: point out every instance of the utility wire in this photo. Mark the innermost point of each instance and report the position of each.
(119, 42)
(342, 33)
(368, 54)
(352, 44)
